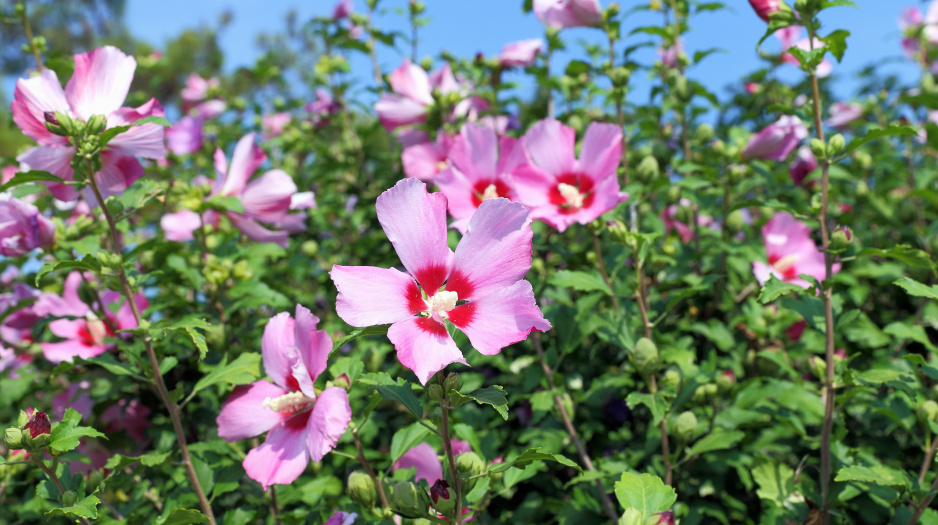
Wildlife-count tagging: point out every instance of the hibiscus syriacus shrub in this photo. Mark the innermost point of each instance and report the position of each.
(498, 289)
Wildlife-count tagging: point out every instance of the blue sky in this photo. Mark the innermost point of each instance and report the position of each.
(466, 27)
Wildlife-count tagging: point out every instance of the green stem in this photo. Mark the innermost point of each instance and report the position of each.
(450, 457)
(29, 37)
(55, 479)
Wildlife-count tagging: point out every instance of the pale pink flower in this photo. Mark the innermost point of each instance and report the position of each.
(426, 461)
(562, 190)
(480, 168)
(424, 161)
(843, 114)
(8, 173)
(803, 164)
(486, 274)
(776, 141)
(521, 53)
(413, 94)
(274, 124)
(98, 86)
(568, 13)
(322, 108)
(790, 252)
(181, 225)
(22, 227)
(300, 424)
(84, 337)
(185, 136)
(196, 97)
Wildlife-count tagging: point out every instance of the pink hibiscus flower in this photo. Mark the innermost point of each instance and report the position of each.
(84, 336)
(185, 136)
(413, 94)
(790, 251)
(764, 8)
(196, 97)
(98, 86)
(425, 160)
(802, 166)
(274, 124)
(22, 227)
(568, 13)
(486, 274)
(480, 169)
(776, 141)
(558, 188)
(300, 424)
(426, 461)
(521, 53)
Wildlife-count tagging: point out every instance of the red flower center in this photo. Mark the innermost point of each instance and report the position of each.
(572, 193)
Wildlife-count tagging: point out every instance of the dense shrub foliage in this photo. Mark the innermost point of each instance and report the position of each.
(470, 289)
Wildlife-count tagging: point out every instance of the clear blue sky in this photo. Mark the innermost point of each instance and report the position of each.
(465, 27)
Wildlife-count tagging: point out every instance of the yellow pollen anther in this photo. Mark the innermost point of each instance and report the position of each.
(571, 194)
(491, 192)
(440, 166)
(95, 327)
(785, 263)
(287, 403)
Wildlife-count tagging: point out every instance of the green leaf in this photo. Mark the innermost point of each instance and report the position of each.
(876, 474)
(657, 403)
(874, 134)
(810, 307)
(223, 204)
(108, 134)
(917, 289)
(66, 434)
(191, 326)
(645, 493)
(88, 262)
(399, 390)
(86, 508)
(580, 281)
(493, 395)
(407, 438)
(244, 369)
(809, 59)
(776, 481)
(184, 517)
(837, 43)
(113, 366)
(775, 288)
(25, 177)
(716, 440)
(355, 334)
(530, 456)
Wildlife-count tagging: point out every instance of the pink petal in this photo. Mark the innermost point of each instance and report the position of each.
(423, 161)
(185, 136)
(521, 53)
(243, 415)
(500, 319)
(475, 152)
(444, 80)
(180, 226)
(31, 99)
(415, 223)
(254, 231)
(244, 162)
(395, 111)
(329, 420)
(460, 447)
(511, 155)
(268, 197)
(56, 161)
(100, 82)
(313, 344)
(495, 252)
(67, 328)
(139, 141)
(70, 349)
(784, 235)
(425, 460)
(283, 457)
(532, 186)
(125, 319)
(411, 81)
(117, 173)
(601, 151)
(550, 144)
(459, 191)
(424, 346)
(342, 518)
(371, 296)
(278, 349)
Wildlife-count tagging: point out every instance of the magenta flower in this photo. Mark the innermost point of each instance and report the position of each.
(521, 53)
(790, 251)
(185, 136)
(341, 518)
(322, 108)
(486, 274)
(568, 13)
(777, 140)
(480, 169)
(426, 461)
(132, 417)
(196, 97)
(425, 160)
(342, 10)
(98, 86)
(558, 188)
(22, 227)
(17, 326)
(413, 94)
(300, 424)
(843, 114)
(803, 164)
(274, 124)
(266, 198)
(764, 8)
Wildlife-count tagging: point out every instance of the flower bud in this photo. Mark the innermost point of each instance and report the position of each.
(96, 124)
(683, 89)
(410, 500)
(441, 499)
(818, 367)
(673, 195)
(24, 417)
(644, 357)
(927, 411)
(736, 173)
(836, 144)
(818, 148)
(840, 239)
(671, 379)
(38, 424)
(342, 382)
(726, 380)
(451, 383)
(647, 170)
(686, 425)
(68, 498)
(435, 392)
(661, 518)
(619, 76)
(735, 222)
(469, 465)
(361, 488)
(13, 437)
(704, 133)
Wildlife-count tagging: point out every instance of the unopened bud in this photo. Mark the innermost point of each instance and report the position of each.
(841, 239)
(38, 424)
(735, 222)
(682, 89)
(410, 500)
(726, 380)
(68, 498)
(704, 133)
(661, 518)
(673, 195)
(671, 379)
(441, 499)
(469, 465)
(644, 357)
(343, 382)
(620, 76)
(836, 144)
(647, 170)
(96, 124)
(435, 393)
(818, 148)
(49, 117)
(818, 367)
(685, 426)
(452, 383)
(361, 488)
(13, 437)
(927, 411)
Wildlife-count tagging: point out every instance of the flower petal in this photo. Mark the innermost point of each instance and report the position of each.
(278, 349)
(139, 141)
(268, 197)
(395, 111)
(459, 192)
(243, 415)
(117, 173)
(56, 161)
(425, 460)
(180, 226)
(313, 344)
(254, 231)
(411, 81)
(415, 223)
(329, 420)
(500, 319)
(371, 296)
(100, 82)
(424, 346)
(495, 252)
(283, 457)
(244, 162)
(69, 349)
(31, 99)
(423, 161)
(475, 152)
(551, 145)
(601, 150)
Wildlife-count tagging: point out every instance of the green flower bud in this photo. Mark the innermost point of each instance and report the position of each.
(841, 239)
(818, 148)
(567, 403)
(644, 357)
(685, 426)
(836, 144)
(410, 500)
(861, 188)
(13, 437)
(704, 133)
(927, 411)
(310, 248)
(620, 76)
(736, 173)
(928, 83)
(726, 380)
(818, 367)
(452, 383)
(671, 379)
(673, 195)
(718, 147)
(612, 10)
(683, 89)
(735, 222)
(96, 124)
(700, 395)
(435, 393)
(361, 488)
(68, 498)
(647, 170)
(468, 465)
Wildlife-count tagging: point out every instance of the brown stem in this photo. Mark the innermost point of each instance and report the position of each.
(29, 37)
(274, 512)
(55, 480)
(640, 300)
(665, 445)
(620, 115)
(926, 501)
(369, 470)
(375, 66)
(929, 457)
(451, 458)
(151, 355)
(608, 508)
(602, 269)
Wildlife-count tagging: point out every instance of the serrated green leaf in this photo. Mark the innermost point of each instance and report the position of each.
(493, 395)
(86, 508)
(531, 455)
(876, 474)
(776, 480)
(874, 134)
(407, 438)
(244, 369)
(399, 390)
(645, 493)
(86, 263)
(657, 403)
(184, 517)
(26, 177)
(716, 440)
(917, 289)
(580, 281)
(193, 327)
(775, 288)
(66, 434)
(355, 334)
